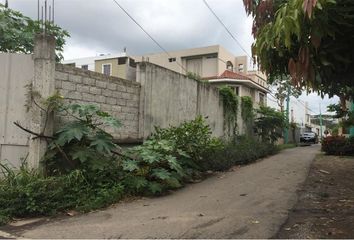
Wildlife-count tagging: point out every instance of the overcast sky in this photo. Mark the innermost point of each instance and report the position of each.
(100, 26)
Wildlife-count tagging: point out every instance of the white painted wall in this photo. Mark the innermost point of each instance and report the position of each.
(16, 72)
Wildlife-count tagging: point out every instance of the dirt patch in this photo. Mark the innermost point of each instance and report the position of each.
(325, 208)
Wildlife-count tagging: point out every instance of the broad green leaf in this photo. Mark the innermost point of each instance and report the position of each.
(103, 143)
(161, 173)
(155, 187)
(130, 165)
(71, 131)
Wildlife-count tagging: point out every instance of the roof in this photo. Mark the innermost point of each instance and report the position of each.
(230, 75)
(233, 75)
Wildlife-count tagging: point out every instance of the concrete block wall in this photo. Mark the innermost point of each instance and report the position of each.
(116, 96)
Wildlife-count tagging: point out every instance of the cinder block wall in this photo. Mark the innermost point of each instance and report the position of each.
(117, 96)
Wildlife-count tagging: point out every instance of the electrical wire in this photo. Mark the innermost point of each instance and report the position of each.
(228, 31)
(148, 34)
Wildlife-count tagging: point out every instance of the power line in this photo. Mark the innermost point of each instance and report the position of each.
(229, 32)
(141, 27)
(305, 106)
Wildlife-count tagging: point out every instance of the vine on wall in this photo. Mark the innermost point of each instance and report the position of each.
(247, 113)
(230, 104)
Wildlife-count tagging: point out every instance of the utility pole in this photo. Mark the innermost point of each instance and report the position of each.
(286, 131)
(351, 131)
(320, 122)
(6, 4)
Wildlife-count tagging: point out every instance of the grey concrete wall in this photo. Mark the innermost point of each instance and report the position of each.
(16, 71)
(169, 98)
(117, 96)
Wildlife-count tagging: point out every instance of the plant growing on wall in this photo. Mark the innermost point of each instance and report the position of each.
(247, 113)
(230, 104)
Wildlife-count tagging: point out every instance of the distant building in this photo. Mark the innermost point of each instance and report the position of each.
(212, 63)
(216, 65)
(117, 65)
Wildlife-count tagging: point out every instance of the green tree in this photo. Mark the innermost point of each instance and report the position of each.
(309, 39)
(269, 124)
(17, 32)
(281, 87)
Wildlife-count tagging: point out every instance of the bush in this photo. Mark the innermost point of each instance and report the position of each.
(26, 193)
(338, 145)
(86, 170)
(242, 150)
(192, 137)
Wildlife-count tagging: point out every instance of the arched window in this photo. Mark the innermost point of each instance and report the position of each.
(229, 66)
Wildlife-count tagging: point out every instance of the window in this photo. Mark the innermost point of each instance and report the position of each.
(122, 60)
(229, 66)
(85, 67)
(236, 90)
(70, 64)
(212, 55)
(106, 69)
(132, 62)
(261, 99)
(240, 67)
(172, 59)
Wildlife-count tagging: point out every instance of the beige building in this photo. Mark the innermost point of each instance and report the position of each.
(122, 67)
(218, 66)
(117, 65)
(204, 61)
(212, 63)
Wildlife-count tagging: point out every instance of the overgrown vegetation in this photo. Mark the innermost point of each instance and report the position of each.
(269, 124)
(241, 150)
(230, 104)
(338, 145)
(247, 114)
(84, 169)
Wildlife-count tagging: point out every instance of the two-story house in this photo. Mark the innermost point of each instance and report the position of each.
(216, 65)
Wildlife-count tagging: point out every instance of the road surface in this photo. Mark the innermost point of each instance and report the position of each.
(248, 202)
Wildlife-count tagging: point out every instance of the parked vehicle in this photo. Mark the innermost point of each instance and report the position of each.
(309, 138)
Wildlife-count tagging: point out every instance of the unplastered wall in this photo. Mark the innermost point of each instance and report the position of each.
(169, 98)
(117, 96)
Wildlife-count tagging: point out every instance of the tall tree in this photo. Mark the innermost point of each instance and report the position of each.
(17, 32)
(309, 39)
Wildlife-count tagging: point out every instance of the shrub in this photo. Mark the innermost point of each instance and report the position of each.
(82, 143)
(154, 167)
(242, 150)
(193, 138)
(269, 124)
(338, 145)
(26, 193)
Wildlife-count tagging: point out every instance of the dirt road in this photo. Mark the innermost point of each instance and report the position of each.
(248, 202)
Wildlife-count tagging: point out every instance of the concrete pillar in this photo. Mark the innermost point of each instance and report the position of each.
(44, 84)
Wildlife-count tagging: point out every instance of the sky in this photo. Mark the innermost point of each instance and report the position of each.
(101, 27)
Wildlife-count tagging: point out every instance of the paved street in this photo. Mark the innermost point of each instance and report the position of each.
(248, 202)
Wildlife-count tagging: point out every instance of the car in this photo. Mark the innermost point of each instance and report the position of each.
(309, 138)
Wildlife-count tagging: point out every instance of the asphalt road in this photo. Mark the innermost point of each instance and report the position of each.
(249, 202)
